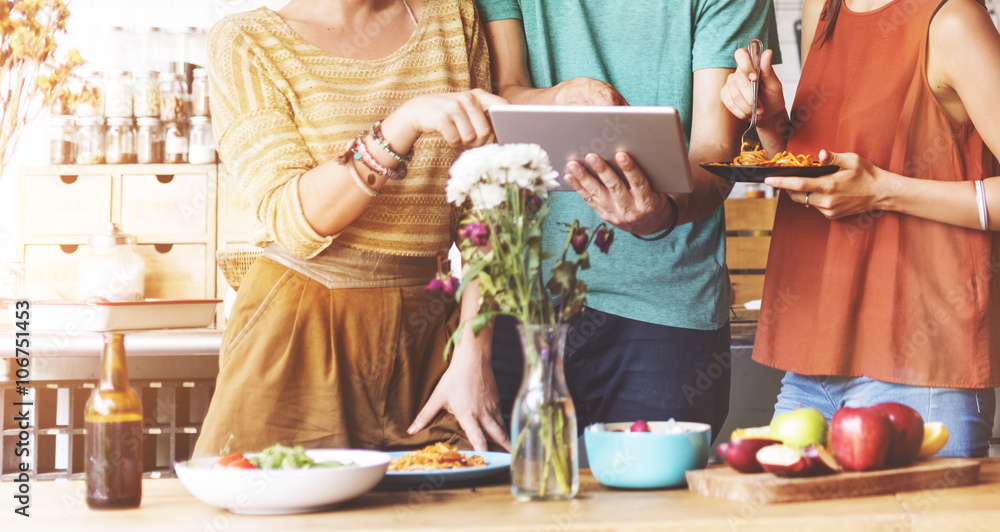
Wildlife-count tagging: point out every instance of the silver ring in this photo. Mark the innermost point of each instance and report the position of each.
(807, 199)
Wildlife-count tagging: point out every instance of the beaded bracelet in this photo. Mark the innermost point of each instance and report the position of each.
(670, 227)
(362, 154)
(361, 182)
(377, 135)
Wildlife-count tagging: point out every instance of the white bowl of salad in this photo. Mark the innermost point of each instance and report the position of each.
(283, 480)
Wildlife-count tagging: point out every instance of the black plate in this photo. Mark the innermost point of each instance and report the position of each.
(756, 174)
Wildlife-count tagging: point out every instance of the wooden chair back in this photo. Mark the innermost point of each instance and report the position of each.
(748, 237)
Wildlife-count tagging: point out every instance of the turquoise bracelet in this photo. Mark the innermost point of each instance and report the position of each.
(377, 135)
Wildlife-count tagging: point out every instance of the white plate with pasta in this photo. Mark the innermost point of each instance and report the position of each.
(474, 467)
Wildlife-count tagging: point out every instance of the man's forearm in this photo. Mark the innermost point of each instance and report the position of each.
(516, 93)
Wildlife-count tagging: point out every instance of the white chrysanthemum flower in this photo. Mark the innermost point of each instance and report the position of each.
(550, 181)
(493, 166)
(487, 196)
(521, 176)
(456, 191)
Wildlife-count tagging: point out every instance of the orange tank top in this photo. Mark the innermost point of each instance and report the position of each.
(892, 297)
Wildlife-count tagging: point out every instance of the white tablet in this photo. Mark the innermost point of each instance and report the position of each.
(653, 136)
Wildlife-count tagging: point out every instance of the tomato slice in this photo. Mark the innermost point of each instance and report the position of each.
(236, 460)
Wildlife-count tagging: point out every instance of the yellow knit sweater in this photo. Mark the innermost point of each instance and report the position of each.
(281, 106)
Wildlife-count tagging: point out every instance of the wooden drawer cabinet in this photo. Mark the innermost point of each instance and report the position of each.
(171, 209)
(176, 271)
(173, 271)
(83, 204)
(173, 205)
(53, 265)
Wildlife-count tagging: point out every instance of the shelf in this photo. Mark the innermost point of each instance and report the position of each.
(172, 415)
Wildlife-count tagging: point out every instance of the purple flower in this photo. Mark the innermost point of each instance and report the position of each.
(434, 285)
(579, 240)
(604, 239)
(443, 283)
(478, 234)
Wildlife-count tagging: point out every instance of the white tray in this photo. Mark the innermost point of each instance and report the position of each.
(72, 316)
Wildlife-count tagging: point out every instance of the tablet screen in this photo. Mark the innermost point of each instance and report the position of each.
(653, 136)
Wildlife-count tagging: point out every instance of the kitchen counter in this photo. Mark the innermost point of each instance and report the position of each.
(167, 506)
(61, 355)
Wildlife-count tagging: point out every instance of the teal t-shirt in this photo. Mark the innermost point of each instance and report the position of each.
(648, 50)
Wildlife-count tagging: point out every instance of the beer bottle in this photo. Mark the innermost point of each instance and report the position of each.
(113, 441)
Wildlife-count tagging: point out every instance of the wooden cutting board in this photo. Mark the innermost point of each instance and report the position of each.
(727, 483)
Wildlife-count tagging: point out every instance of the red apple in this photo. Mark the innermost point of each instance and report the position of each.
(907, 433)
(639, 426)
(860, 438)
(741, 453)
(786, 461)
(783, 461)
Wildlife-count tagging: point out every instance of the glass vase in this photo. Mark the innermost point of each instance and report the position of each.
(544, 464)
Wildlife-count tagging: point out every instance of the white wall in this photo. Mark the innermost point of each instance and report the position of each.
(788, 11)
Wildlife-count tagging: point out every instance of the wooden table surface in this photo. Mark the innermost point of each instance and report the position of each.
(167, 506)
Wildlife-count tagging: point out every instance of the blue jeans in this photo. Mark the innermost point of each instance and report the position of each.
(967, 414)
(618, 369)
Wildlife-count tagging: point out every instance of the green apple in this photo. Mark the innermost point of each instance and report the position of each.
(800, 427)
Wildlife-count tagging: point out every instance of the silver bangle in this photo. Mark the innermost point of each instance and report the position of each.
(361, 182)
(984, 213)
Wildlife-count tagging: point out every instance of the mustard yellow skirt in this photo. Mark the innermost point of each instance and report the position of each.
(303, 364)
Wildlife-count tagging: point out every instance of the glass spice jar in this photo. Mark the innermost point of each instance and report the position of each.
(155, 47)
(175, 144)
(111, 268)
(149, 140)
(118, 95)
(60, 105)
(173, 98)
(119, 49)
(146, 94)
(92, 96)
(119, 145)
(201, 143)
(62, 144)
(199, 93)
(90, 140)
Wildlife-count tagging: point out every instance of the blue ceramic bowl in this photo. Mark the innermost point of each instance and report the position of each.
(643, 460)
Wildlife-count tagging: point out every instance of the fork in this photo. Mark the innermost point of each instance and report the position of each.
(750, 141)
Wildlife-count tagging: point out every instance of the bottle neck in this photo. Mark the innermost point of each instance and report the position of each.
(114, 366)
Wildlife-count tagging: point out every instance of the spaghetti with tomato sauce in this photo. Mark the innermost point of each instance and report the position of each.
(435, 456)
(759, 157)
